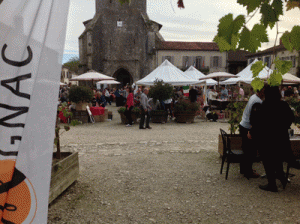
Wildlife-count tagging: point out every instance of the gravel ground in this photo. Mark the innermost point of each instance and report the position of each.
(169, 174)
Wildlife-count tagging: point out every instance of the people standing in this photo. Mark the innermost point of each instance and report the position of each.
(107, 96)
(193, 94)
(249, 149)
(168, 108)
(270, 123)
(224, 93)
(145, 107)
(241, 92)
(129, 106)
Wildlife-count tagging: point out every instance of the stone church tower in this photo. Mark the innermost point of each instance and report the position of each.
(120, 41)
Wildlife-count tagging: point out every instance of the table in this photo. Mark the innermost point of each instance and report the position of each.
(97, 110)
(295, 144)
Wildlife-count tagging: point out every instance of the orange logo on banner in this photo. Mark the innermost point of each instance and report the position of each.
(15, 197)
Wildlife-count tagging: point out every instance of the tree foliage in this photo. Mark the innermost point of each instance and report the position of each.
(73, 64)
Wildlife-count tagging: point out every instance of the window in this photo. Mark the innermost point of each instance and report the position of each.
(169, 58)
(199, 62)
(293, 59)
(185, 61)
(268, 61)
(216, 62)
(260, 58)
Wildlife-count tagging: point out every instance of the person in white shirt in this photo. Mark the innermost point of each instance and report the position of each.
(168, 106)
(107, 96)
(248, 147)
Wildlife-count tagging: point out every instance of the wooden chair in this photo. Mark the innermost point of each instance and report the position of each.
(229, 155)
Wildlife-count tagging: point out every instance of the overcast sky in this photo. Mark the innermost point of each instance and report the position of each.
(197, 22)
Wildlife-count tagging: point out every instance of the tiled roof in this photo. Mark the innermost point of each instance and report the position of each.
(237, 56)
(268, 51)
(188, 46)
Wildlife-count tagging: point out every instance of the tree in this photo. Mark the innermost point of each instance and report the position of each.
(73, 64)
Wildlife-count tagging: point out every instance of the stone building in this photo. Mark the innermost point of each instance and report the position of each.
(120, 41)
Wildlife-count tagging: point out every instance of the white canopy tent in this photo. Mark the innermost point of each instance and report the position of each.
(109, 82)
(92, 76)
(291, 79)
(193, 73)
(168, 73)
(246, 75)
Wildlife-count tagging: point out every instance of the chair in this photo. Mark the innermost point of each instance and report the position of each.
(230, 155)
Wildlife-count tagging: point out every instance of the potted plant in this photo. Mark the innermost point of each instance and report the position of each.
(65, 165)
(295, 106)
(80, 95)
(135, 113)
(185, 111)
(235, 110)
(159, 93)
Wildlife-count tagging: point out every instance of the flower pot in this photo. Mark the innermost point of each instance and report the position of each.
(63, 173)
(159, 116)
(185, 117)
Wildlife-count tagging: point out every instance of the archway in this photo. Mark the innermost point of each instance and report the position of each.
(123, 76)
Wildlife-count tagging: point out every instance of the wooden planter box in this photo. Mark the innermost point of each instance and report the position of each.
(159, 116)
(63, 174)
(124, 119)
(235, 143)
(82, 116)
(185, 118)
(81, 106)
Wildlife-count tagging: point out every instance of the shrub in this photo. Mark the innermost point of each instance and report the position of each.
(122, 110)
(80, 94)
(185, 106)
(160, 91)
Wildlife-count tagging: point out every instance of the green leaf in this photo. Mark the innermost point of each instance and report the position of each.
(234, 41)
(278, 7)
(250, 4)
(222, 43)
(275, 78)
(283, 66)
(225, 27)
(268, 15)
(244, 39)
(259, 32)
(285, 38)
(257, 84)
(257, 67)
(295, 37)
(238, 23)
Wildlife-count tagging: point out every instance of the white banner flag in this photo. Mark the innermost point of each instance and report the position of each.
(32, 35)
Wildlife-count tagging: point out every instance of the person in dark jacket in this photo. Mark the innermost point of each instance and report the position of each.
(193, 95)
(100, 99)
(270, 123)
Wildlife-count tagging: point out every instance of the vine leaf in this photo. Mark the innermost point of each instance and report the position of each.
(250, 4)
(257, 84)
(292, 4)
(295, 37)
(275, 78)
(267, 14)
(257, 67)
(283, 66)
(285, 38)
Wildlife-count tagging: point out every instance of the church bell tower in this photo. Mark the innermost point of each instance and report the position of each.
(119, 40)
